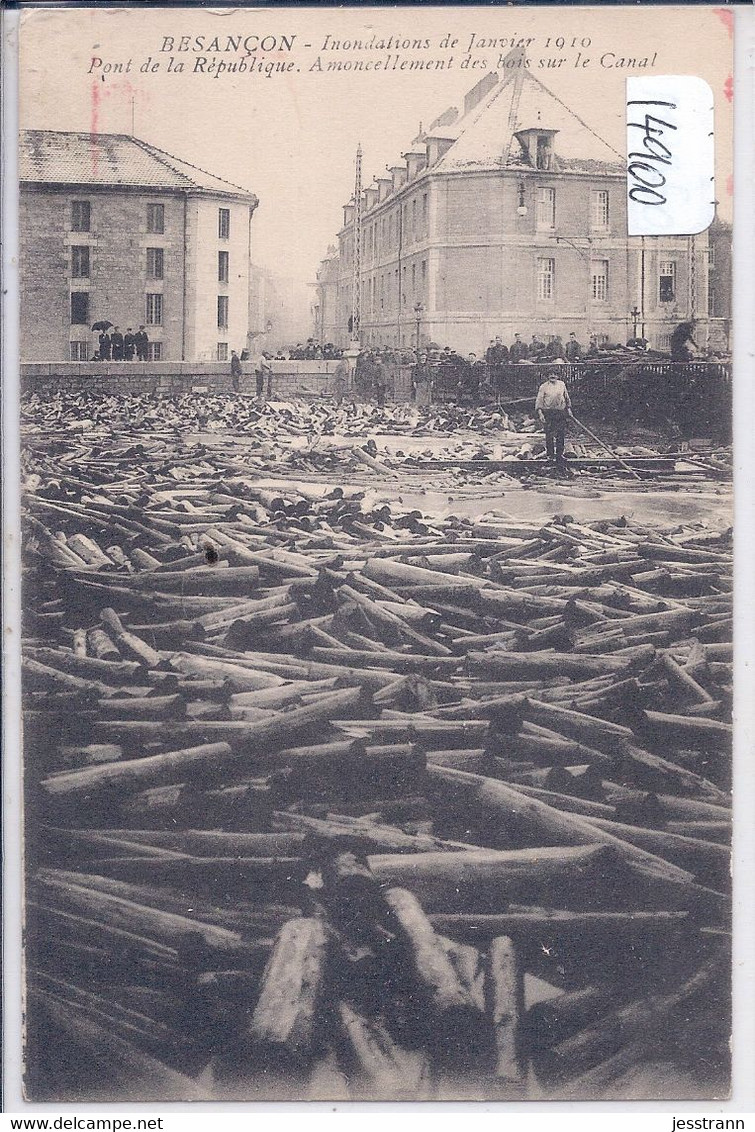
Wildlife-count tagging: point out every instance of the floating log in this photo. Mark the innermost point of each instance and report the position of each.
(454, 1028)
(506, 993)
(283, 1027)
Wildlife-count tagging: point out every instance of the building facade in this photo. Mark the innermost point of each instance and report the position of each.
(112, 228)
(326, 307)
(509, 217)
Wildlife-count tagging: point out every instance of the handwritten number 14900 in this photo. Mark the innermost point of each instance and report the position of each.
(645, 163)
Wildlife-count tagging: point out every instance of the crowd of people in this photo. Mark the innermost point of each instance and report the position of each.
(310, 351)
(133, 346)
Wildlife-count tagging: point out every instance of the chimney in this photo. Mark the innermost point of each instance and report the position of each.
(478, 92)
(436, 147)
(447, 118)
(416, 161)
(348, 214)
(399, 174)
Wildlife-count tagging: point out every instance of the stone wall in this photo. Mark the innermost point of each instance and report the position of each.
(307, 379)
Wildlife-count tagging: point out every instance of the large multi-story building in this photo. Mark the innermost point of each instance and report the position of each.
(509, 216)
(112, 228)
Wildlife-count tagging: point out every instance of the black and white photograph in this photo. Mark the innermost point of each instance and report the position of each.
(377, 530)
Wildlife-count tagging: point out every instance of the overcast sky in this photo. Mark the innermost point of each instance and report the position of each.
(291, 138)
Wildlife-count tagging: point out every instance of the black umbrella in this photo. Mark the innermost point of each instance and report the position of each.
(103, 325)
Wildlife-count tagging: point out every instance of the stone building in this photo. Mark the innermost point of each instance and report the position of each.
(325, 308)
(506, 216)
(114, 228)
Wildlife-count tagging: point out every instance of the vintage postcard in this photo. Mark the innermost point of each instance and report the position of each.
(377, 553)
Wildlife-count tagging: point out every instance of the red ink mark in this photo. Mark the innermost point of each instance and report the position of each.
(730, 185)
(94, 126)
(729, 88)
(726, 16)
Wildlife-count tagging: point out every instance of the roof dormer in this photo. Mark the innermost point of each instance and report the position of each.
(416, 160)
(371, 195)
(436, 147)
(537, 147)
(385, 187)
(399, 174)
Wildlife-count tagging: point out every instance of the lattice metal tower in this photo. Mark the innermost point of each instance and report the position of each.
(356, 287)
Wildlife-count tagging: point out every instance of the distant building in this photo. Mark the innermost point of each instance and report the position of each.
(114, 228)
(280, 309)
(720, 283)
(326, 306)
(509, 216)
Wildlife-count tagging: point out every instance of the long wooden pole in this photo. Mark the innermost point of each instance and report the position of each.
(610, 451)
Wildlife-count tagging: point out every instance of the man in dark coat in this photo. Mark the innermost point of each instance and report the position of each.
(380, 381)
(553, 350)
(129, 345)
(116, 344)
(519, 349)
(104, 346)
(142, 343)
(235, 370)
(573, 349)
(537, 348)
(496, 353)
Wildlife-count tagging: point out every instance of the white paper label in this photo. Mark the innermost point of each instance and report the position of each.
(670, 155)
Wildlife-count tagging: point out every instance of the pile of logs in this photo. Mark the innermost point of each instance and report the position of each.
(328, 800)
(300, 437)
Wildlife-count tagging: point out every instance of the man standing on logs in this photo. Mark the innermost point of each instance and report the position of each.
(340, 381)
(553, 410)
(683, 342)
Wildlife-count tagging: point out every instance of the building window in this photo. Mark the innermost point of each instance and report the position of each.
(156, 218)
(80, 215)
(224, 223)
(546, 208)
(155, 263)
(600, 280)
(424, 275)
(154, 310)
(222, 351)
(79, 308)
(80, 262)
(154, 351)
(79, 351)
(222, 312)
(424, 210)
(667, 281)
(414, 278)
(546, 271)
(222, 267)
(600, 213)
